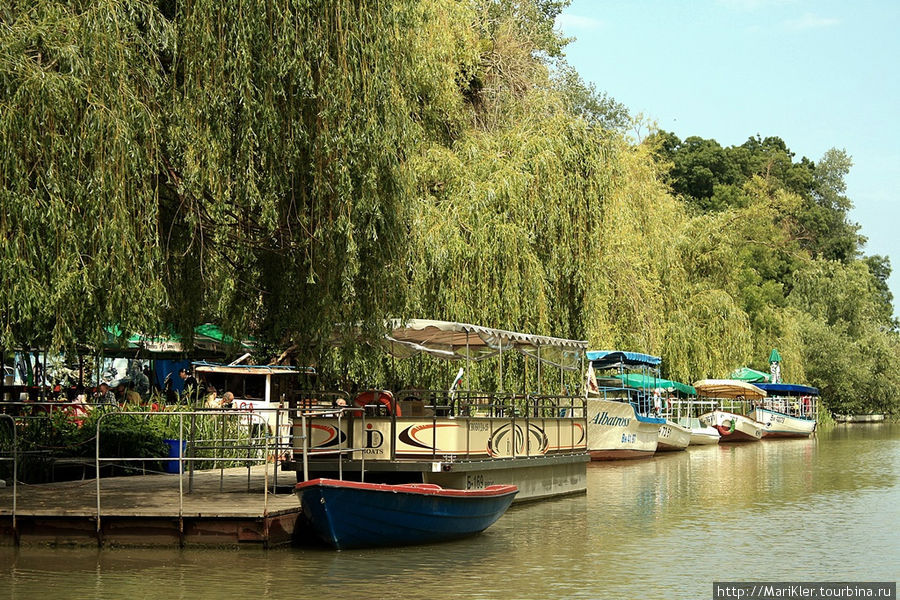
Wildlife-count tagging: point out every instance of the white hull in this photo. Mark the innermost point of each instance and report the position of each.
(673, 436)
(704, 436)
(615, 431)
(701, 435)
(733, 427)
(778, 424)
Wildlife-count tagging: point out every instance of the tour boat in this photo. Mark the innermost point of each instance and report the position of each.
(789, 410)
(873, 418)
(729, 420)
(454, 437)
(619, 423)
(351, 514)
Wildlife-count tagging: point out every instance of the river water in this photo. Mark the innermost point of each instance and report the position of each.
(823, 509)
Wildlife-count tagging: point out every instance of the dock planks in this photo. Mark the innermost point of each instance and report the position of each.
(145, 510)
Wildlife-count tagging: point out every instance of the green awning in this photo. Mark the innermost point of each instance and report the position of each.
(206, 337)
(749, 375)
(648, 382)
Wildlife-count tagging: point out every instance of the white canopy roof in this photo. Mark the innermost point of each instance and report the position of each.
(728, 388)
(459, 341)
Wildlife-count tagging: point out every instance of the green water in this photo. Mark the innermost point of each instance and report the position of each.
(823, 509)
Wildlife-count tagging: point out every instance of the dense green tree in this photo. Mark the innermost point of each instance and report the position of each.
(80, 132)
(281, 167)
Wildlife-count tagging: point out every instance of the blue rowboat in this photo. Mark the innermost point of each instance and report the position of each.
(350, 514)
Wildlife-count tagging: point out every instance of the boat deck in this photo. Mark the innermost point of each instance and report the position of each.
(145, 510)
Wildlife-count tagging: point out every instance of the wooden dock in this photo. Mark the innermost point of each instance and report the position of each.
(146, 510)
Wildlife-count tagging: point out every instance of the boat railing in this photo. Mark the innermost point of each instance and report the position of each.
(804, 407)
(690, 408)
(640, 399)
(9, 452)
(472, 411)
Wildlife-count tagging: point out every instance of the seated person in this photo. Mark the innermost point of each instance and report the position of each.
(104, 395)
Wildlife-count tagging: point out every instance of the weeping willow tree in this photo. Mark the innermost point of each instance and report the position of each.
(81, 132)
(288, 137)
(171, 163)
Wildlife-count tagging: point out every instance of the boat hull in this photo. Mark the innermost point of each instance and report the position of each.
(673, 437)
(347, 514)
(701, 435)
(778, 424)
(706, 436)
(733, 427)
(617, 432)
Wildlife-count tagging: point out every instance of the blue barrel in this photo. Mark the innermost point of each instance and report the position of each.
(171, 466)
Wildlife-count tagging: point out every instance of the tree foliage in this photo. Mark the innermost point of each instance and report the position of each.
(285, 166)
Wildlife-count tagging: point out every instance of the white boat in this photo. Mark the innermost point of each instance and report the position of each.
(789, 410)
(617, 431)
(728, 419)
(619, 423)
(672, 437)
(687, 414)
(874, 418)
(733, 427)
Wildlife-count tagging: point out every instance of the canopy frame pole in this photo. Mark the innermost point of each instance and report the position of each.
(468, 381)
(501, 364)
(539, 369)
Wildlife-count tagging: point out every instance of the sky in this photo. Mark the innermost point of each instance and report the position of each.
(818, 74)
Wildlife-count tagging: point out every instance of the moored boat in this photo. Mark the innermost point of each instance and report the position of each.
(619, 423)
(789, 410)
(454, 437)
(687, 414)
(673, 437)
(350, 514)
(729, 420)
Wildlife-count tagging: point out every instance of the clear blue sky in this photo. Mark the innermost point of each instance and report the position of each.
(818, 74)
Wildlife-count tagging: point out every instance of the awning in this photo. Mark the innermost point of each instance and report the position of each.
(749, 375)
(206, 337)
(208, 367)
(728, 388)
(610, 359)
(461, 341)
(648, 382)
(788, 388)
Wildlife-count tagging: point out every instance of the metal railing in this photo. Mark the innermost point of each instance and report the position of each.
(466, 408)
(192, 444)
(15, 461)
(262, 438)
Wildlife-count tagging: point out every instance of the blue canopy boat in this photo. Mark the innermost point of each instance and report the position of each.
(351, 514)
(619, 422)
(789, 410)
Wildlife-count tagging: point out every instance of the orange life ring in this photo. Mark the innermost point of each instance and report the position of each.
(374, 397)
